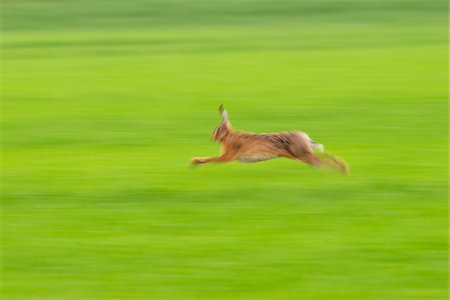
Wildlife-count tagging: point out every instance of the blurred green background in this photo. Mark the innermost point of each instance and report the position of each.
(105, 102)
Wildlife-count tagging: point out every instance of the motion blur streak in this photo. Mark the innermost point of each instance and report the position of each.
(105, 102)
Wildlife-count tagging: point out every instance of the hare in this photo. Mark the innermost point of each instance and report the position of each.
(251, 147)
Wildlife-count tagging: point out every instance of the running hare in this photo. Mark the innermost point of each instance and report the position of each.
(251, 147)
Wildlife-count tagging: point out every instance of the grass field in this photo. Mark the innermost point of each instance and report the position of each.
(105, 102)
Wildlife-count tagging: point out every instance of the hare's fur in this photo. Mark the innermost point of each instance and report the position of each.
(251, 147)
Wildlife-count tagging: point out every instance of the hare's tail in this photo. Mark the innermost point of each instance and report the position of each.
(316, 146)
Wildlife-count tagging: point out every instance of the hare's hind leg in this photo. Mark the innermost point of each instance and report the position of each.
(325, 160)
(310, 159)
(335, 162)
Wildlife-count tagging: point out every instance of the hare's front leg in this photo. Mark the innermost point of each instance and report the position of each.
(218, 159)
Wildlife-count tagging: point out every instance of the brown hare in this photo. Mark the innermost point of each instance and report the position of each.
(251, 147)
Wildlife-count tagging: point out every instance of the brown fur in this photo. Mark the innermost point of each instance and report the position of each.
(252, 147)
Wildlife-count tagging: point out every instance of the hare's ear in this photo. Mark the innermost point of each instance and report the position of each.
(223, 113)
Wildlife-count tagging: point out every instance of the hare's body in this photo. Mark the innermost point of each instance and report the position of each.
(251, 147)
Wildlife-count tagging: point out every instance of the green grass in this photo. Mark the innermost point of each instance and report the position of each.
(105, 102)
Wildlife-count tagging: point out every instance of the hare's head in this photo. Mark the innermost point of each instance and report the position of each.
(224, 128)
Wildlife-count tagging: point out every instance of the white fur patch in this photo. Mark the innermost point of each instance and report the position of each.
(318, 147)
